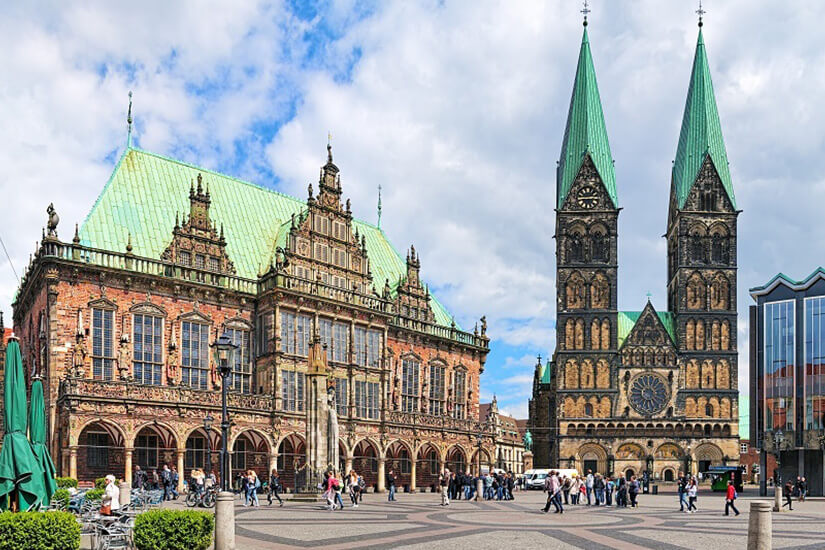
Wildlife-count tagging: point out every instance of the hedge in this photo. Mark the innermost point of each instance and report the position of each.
(66, 482)
(173, 530)
(100, 483)
(39, 531)
(94, 494)
(62, 495)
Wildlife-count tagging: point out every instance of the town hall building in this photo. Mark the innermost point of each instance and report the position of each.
(628, 392)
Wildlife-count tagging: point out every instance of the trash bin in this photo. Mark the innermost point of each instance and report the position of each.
(655, 489)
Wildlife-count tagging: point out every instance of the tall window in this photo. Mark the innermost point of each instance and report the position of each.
(295, 333)
(341, 397)
(292, 390)
(147, 342)
(779, 365)
(409, 385)
(196, 449)
(241, 377)
(815, 363)
(146, 451)
(195, 354)
(97, 450)
(437, 390)
(263, 332)
(460, 395)
(336, 337)
(103, 357)
(367, 347)
(360, 346)
(239, 455)
(366, 399)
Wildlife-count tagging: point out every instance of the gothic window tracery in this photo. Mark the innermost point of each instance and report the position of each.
(571, 375)
(575, 247)
(599, 245)
(579, 334)
(595, 333)
(725, 337)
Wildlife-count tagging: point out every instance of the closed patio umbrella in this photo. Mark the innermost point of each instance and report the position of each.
(37, 435)
(20, 475)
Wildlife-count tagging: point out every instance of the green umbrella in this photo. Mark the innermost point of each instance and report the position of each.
(19, 470)
(37, 435)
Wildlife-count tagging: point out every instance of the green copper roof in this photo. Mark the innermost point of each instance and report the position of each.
(627, 320)
(586, 132)
(146, 190)
(544, 373)
(701, 133)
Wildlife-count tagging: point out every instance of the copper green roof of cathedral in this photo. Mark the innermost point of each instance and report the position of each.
(146, 191)
(545, 372)
(701, 133)
(585, 132)
(627, 320)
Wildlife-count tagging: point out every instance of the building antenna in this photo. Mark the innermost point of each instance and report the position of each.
(585, 11)
(379, 206)
(129, 123)
(700, 12)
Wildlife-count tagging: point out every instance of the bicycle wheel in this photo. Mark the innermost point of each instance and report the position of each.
(191, 500)
(209, 500)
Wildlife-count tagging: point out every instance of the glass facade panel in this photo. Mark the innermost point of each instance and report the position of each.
(147, 342)
(815, 363)
(779, 365)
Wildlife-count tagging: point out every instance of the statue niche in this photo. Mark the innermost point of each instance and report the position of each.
(696, 292)
(574, 292)
(600, 292)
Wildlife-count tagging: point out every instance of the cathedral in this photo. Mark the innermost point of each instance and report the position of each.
(629, 392)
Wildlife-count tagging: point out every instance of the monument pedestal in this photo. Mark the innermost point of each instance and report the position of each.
(527, 461)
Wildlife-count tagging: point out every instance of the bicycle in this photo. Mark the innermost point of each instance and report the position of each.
(206, 498)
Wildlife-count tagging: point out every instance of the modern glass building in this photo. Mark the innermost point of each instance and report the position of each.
(787, 377)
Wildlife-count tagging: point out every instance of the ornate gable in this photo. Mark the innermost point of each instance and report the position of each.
(707, 194)
(413, 298)
(649, 330)
(197, 243)
(587, 191)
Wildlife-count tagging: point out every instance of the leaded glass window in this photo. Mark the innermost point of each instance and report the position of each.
(195, 354)
(147, 347)
(367, 399)
(460, 395)
(103, 357)
(292, 390)
(240, 379)
(410, 369)
(437, 390)
(341, 397)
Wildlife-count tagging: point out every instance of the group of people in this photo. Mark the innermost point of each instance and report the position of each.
(688, 489)
(352, 483)
(166, 480)
(797, 489)
(590, 490)
(495, 485)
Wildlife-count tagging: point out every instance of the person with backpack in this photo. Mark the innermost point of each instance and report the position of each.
(729, 498)
(274, 488)
(166, 481)
(633, 491)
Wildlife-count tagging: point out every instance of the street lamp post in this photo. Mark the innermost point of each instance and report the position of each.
(479, 482)
(224, 351)
(207, 427)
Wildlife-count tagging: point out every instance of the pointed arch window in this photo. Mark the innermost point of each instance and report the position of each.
(576, 247)
(599, 245)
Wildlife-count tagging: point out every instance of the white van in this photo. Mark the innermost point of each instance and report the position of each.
(535, 479)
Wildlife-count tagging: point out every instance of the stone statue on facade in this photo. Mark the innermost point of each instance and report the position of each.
(332, 429)
(54, 219)
(528, 441)
(123, 359)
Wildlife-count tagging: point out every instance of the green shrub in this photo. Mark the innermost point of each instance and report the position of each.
(63, 496)
(39, 531)
(66, 482)
(100, 483)
(94, 494)
(173, 530)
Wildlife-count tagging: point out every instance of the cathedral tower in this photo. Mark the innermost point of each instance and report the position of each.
(701, 242)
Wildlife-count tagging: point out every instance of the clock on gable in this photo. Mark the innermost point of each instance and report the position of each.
(587, 197)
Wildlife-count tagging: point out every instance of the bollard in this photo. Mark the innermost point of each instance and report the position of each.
(125, 493)
(759, 526)
(479, 489)
(777, 498)
(225, 521)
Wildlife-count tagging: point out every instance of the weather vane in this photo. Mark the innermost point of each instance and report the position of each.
(329, 138)
(585, 11)
(649, 295)
(700, 12)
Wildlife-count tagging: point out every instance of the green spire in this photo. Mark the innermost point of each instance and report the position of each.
(586, 132)
(701, 134)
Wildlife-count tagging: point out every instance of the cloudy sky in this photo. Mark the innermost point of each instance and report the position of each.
(456, 108)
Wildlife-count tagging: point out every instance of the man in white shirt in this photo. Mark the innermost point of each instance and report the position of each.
(588, 485)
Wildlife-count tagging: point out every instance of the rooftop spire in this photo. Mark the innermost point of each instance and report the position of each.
(700, 12)
(586, 132)
(585, 11)
(129, 123)
(379, 206)
(701, 134)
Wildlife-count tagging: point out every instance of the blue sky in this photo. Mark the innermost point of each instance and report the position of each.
(456, 108)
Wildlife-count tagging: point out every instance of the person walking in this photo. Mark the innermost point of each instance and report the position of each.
(166, 482)
(575, 489)
(139, 478)
(511, 486)
(621, 498)
(444, 481)
(692, 491)
(175, 480)
(353, 488)
(155, 480)
(565, 489)
(588, 485)
(729, 498)
(252, 486)
(337, 488)
(803, 489)
(633, 491)
(110, 501)
(274, 488)
(682, 488)
(390, 486)
(598, 489)
(553, 486)
(787, 492)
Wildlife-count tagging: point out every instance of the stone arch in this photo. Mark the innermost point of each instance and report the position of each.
(291, 457)
(708, 375)
(700, 334)
(719, 292)
(630, 451)
(715, 336)
(722, 375)
(600, 292)
(592, 451)
(692, 374)
(580, 402)
(570, 334)
(724, 408)
(575, 243)
(100, 449)
(707, 451)
(587, 376)
(574, 291)
(202, 449)
(602, 374)
(155, 444)
(668, 451)
(456, 458)
(605, 335)
(595, 341)
(604, 407)
(690, 407)
(400, 455)
(427, 465)
(258, 434)
(579, 334)
(599, 243)
(697, 234)
(571, 374)
(695, 291)
(250, 451)
(365, 456)
(725, 335)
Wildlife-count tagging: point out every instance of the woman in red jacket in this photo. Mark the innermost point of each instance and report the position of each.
(729, 498)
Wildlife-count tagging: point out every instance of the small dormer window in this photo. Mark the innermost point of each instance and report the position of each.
(185, 258)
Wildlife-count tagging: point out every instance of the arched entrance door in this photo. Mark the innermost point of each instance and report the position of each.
(456, 460)
(668, 475)
(426, 467)
(250, 452)
(365, 462)
(400, 462)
